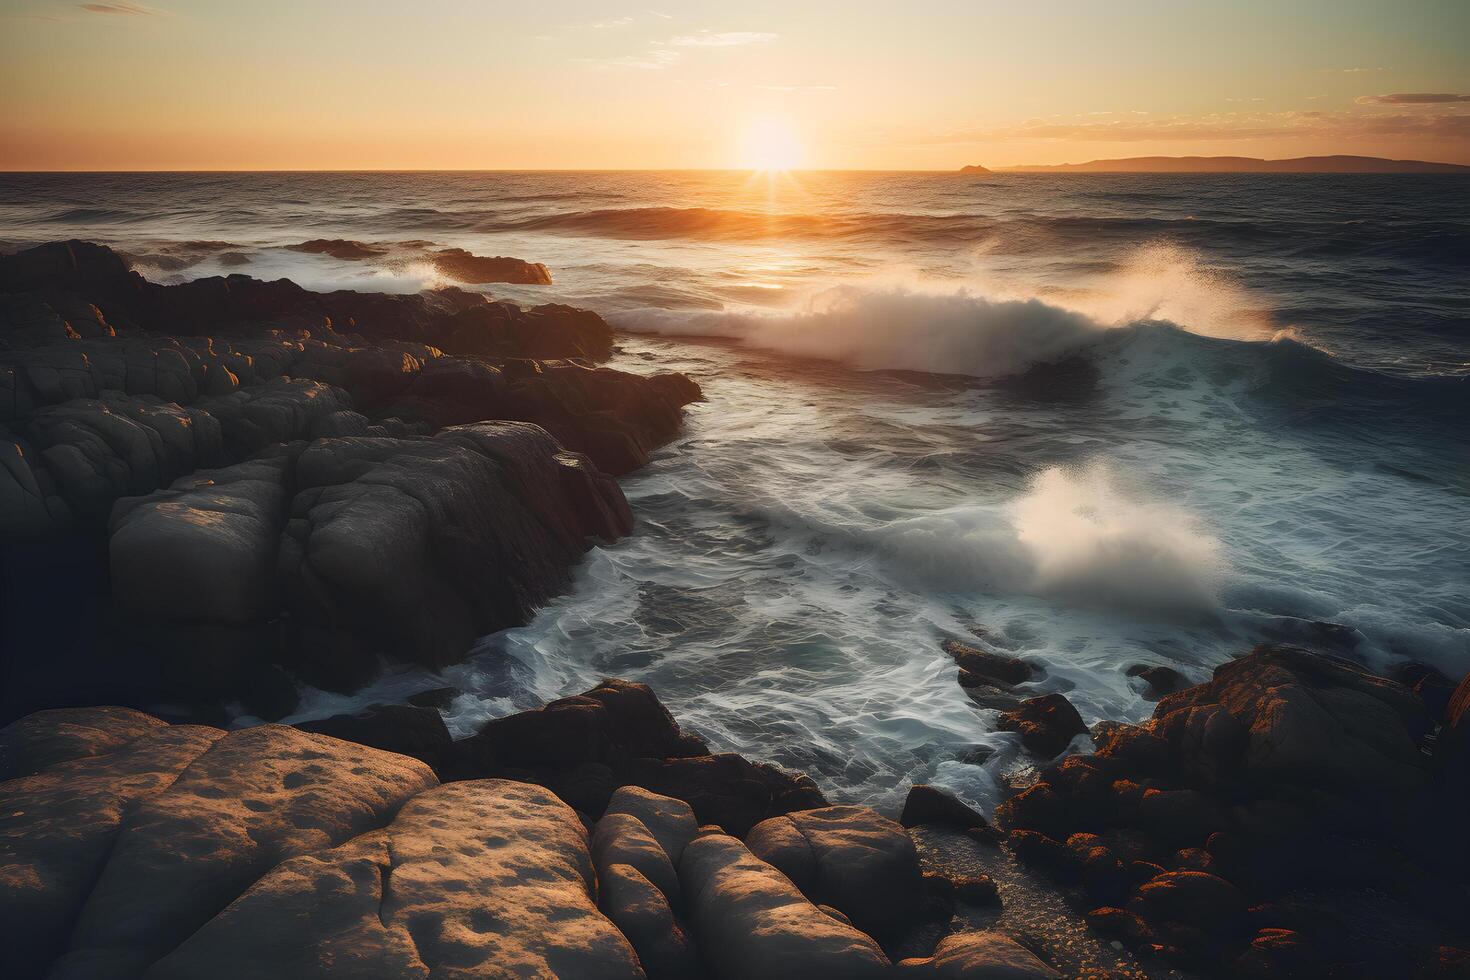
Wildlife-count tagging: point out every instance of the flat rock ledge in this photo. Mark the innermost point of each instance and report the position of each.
(215, 489)
(133, 848)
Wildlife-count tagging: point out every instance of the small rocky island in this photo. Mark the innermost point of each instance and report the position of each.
(217, 491)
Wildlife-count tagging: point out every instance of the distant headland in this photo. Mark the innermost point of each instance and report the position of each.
(1235, 165)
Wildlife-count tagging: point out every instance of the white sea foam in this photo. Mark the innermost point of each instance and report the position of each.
(1073, 535)
(897, 320)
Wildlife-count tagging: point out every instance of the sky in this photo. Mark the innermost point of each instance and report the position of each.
(560, 84)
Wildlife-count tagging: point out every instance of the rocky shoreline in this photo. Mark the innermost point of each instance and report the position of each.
(218, 490)
(215, 488)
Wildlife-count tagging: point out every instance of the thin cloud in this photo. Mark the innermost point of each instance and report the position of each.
(1413, 98)
(722, 39)
(655, 59)
(127, 9)
(1224, 126)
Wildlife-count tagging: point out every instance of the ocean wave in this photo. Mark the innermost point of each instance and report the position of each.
(1075, 535)
(1159, 325)
(1020, 233)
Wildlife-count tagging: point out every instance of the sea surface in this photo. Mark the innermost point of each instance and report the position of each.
(1093, 421)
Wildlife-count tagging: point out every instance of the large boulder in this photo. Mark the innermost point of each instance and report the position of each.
(849, 857)
(204, 549)
(412, 548)
(58, 826)
(482, 878)
(1286, 716)
(752, 923)
(253, 799)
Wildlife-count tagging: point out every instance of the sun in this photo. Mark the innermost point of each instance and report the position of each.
(770, 144)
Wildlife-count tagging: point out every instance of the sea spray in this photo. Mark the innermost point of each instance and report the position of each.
(1074, 535)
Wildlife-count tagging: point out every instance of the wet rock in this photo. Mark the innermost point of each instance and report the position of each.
(982, 665)
(849, 857)
(477, 877)
(927, 804)
(458, 264)
(1158, 681)
(751, 923)
(1047, 724)
(979, 955)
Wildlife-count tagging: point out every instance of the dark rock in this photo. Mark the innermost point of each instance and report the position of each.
(975, 889)
(458, 264)
(1283, 715)
(1180, 817)
(727, 789)
(1193, 898)
(435, 697)
(1158, 680)
(1039, 808)
(1047, 853)
(1047, 724)
(404, 729)
(927, 804)
(614, 723)
(985, 665)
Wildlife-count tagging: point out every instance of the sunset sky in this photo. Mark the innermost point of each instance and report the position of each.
(470, 84)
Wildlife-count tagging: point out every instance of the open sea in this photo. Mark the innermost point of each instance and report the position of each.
(1093, 421)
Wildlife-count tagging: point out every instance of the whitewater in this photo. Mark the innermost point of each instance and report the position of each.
(1093, 422)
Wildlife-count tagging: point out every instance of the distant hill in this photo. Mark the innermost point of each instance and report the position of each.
(975, 168)
(1244, 165)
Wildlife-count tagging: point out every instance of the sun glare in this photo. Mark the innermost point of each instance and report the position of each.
(770, 144)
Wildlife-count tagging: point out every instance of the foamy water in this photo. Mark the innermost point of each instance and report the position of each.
(1091, 422)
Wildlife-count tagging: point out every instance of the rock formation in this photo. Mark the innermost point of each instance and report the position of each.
(133, 848)
(270, 482)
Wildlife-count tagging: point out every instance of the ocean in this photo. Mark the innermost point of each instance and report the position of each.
(1093, 421)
